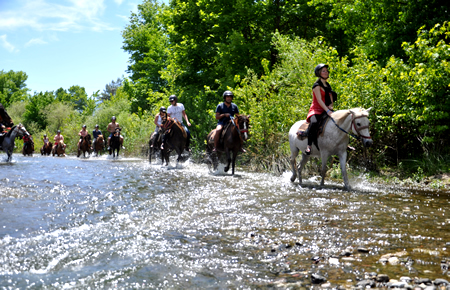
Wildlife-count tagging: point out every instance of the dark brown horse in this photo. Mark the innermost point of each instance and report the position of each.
(154, 144)
(85, 146)
(233, 135)
(59, 149)
(175, 139)
(99, 145)
(114, 143)
(46, 148)
(28, 147)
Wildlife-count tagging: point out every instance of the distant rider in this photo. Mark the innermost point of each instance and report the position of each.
(83, 133)
(45, 139)
(112, 129)
(176, 110)
(224, 112)
(58, 138)
(95, 133)
(159, 119)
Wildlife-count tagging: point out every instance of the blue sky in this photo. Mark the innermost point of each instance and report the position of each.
(60, 43)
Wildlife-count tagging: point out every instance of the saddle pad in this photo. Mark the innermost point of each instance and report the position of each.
(302, 131)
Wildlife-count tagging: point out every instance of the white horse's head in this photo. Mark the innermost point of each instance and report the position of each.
(360, 125)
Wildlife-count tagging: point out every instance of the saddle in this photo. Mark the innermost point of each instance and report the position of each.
(303, 131)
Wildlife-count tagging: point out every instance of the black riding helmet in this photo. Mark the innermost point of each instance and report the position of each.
(173, 97)
(318, 68)
(96, 126)
(162, 109)
(84, 126)
(226, 94)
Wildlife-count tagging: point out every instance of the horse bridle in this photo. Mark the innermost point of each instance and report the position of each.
(357, 137)
(237, 127)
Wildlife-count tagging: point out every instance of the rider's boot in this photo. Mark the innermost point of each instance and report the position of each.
(216, 139)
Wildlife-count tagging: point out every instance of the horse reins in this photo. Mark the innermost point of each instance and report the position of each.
(356, 129)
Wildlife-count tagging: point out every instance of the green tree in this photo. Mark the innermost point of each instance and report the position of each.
(12, 87)
(145, 39)
(35, 114)
(77, 97)
(110, 90)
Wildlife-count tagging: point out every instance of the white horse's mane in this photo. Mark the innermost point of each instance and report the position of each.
(341, 115)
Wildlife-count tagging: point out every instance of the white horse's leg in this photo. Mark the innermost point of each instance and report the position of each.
(294, 154)
(305, 159)
(323, 171)
(343, 163)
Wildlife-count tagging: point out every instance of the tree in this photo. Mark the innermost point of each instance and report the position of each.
(35, 114)
(110, 90)
(145, 39)
(12, 87)
(77, 97)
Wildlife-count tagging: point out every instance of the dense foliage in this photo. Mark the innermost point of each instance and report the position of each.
(389, 55)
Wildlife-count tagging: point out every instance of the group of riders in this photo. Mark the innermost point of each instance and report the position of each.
(224, 112)
(321, 106)
(59, 138)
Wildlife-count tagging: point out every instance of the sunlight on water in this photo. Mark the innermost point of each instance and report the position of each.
(97, 222)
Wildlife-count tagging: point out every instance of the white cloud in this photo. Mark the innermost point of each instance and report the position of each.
(44, 15)
(8, 46)
(118, 2)
(35, 41)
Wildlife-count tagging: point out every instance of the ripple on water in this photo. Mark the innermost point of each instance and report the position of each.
(97, 222)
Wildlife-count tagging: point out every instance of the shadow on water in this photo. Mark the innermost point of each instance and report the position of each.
(125, 223)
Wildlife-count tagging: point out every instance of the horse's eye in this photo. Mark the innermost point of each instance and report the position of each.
(358, 124)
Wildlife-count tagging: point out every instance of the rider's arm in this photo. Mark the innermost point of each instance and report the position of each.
(185, 117)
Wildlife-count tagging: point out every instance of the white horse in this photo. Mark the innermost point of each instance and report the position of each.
(334, 141)
(8, 139)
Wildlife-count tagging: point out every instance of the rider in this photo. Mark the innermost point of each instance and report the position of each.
(112, 129)
(176, 111)
(159, 118)
(320, 106)
(83, 133)
(58, 137)
(95, 133)
(45, 139)
(224, 112)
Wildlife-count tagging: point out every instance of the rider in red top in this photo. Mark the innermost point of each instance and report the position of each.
(320, 105)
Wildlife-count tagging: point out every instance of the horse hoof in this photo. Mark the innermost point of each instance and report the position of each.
(293, 177)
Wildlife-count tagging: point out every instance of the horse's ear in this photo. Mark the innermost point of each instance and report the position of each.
(248, 116)
(351, 112)
(368, 110)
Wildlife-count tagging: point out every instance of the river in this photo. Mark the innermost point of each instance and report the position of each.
(100, 223)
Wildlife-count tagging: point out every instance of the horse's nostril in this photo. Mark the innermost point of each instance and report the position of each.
(368, 143)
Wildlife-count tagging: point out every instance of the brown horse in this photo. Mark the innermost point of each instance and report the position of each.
(99, 145)
(175, 138)
(233, 135)
(154, 144)
(59, 149)
(46, 148)
(28, 147)
(85, 146)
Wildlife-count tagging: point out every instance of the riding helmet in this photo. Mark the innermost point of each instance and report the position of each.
(113, 117)
(162, 109)
(96, 126)
(84, 126)
(226, 94)
(59, 131)
(45, 135)
(318, 68)
(173, 97)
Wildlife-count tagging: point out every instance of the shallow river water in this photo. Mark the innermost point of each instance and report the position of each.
(102, 223)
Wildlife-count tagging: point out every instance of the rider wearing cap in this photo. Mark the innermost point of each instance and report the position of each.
(159, 119)
(112, 129)
(95, 133)
(224, 112)
(322, 104)
(176, 111)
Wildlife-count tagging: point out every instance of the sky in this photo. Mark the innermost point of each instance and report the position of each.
(61, 43)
